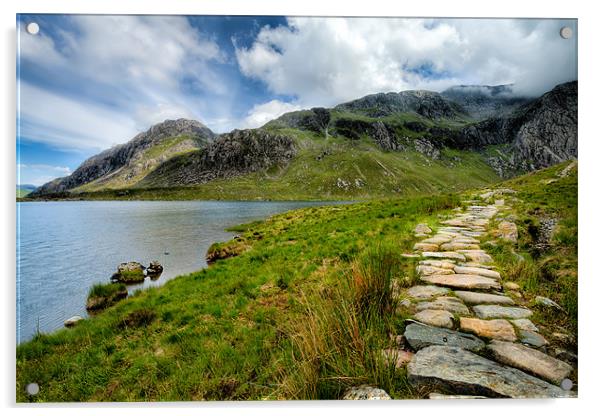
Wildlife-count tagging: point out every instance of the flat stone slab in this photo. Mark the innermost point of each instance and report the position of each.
(525, 325)
(458, 246)
(495, 311)
(441, 264)
(424, 270)
(440, 318)
(478, 256)
(445, 303)
(462, 281)
(444, 255)
(478, 271)
(438, 239)
(494, 329)
(530, 360)
(477, 298)
(422, 336)
(365, 392)
(397, 357)
(459, 371)
(475, 264)
(426, 292)
(426, 247)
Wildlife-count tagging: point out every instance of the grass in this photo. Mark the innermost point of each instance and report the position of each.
(225, 332)
(551, 270)
(105, 290)
(300, 308)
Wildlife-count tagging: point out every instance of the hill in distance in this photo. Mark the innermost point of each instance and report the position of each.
(25, 189)
(381, 145)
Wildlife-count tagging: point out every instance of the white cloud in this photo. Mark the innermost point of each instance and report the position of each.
(324, 61)
(39, 174)
(262, 113)
(113, 76)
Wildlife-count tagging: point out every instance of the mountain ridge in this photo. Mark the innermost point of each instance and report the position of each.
(524, 134)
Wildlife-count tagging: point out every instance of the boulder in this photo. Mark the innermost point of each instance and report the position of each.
(478, 298)
(442, 319)
(130, 272)
(421, 336)
(530, 360)
(495, 311)
(458, 371)
(507, 230)
(74, 320)
(494, 329)
(548, 303)
(365, 392)
(154, 268)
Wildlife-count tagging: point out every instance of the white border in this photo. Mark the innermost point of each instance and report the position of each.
(590, 152)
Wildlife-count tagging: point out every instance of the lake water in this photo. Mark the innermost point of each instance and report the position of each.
(63, 248)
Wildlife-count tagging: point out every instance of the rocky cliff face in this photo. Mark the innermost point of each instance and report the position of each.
(112, 160)
(424, 103)
(230, 155)
(484, 101)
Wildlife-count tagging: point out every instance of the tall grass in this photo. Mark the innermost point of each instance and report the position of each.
(338, 342)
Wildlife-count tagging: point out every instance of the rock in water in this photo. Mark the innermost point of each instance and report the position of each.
(459, 371)
(421, 336)
(130, 272)
(154, 268)
(365, 392)
(530, 360)
(74, 320)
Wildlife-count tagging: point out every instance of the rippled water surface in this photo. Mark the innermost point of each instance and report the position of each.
(63, 248)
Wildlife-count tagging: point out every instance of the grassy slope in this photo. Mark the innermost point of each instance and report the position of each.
(333, 169)
(139, 168)
(288, 317)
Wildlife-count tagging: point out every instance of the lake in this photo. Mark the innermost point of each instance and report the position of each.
(63, 248)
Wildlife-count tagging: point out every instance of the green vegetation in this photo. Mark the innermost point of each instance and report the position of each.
(105, 290)
(545, 262)
(298, 308)
(225, 332)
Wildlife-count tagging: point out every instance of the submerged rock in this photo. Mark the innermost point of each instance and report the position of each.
(154, 268)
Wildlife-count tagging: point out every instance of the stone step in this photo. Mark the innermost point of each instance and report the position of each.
(444, 255)
(445, 303)
(478, 271)
(530, 360)
(478, 256)
(496, 311)
(424, 270)
(421, 336)
(458, 246)
(462, 281)
(440, 318)
(493, 329)
(426, 247)
(525, 324)
(478, 298)
(442, 264)
(462, 372)
(532, 338)
(426, 292)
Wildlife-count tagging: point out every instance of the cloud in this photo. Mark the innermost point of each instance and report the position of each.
(324, 61)
(262, 113)
(39, 174)
(92, 81)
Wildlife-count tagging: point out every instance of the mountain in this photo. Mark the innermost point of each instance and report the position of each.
(484, 101)
(380, 145)
(25, 189)
(124, 165)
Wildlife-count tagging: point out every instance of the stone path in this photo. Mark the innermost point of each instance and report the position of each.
(468, 337)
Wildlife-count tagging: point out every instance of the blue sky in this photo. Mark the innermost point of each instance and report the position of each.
(87, 82)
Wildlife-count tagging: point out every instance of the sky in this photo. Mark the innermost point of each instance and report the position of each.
(86, 83)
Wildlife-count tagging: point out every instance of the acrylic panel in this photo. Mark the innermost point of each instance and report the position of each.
(286, 208)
